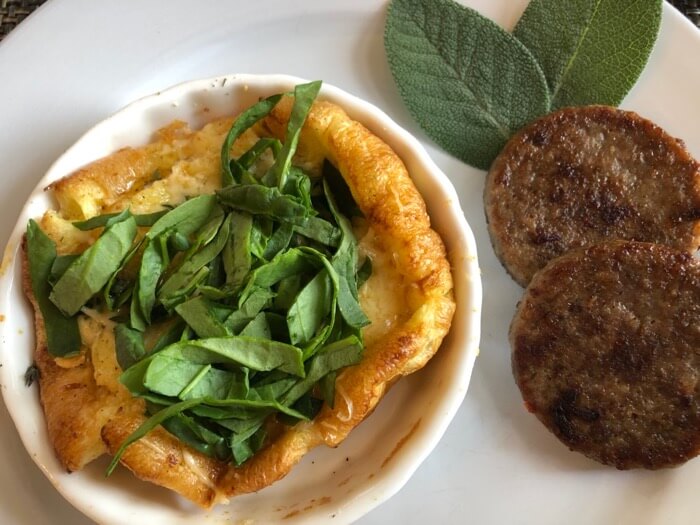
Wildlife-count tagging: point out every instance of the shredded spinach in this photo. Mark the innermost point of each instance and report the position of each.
(62, 334)
(243, 304)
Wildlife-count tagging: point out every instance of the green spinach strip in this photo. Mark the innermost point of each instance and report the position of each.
(233, 310)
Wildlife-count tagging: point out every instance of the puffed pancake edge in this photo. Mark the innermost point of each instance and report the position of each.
(392, 206)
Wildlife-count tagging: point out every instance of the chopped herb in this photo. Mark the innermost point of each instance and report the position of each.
(250, 295)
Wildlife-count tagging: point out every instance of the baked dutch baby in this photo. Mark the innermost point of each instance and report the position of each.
(88, 397)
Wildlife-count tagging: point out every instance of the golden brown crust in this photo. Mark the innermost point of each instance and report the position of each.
(395, 210)
(75, 406)
(90, 189)
(587, 174)
(161, 458)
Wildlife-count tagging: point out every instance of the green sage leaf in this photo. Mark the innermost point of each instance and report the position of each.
(467, 82)
(100, 221)
(311, 306)
(591, 51)
(334, 356)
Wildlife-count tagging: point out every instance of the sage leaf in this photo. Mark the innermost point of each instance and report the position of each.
(278, 241)
(253, 154)
(344, 261)
(119, 287)
(92, 270)
(467, 82)
(236, 254)
(258, 327)
(60, 265)
(62, 333)
(151, 268)
(319, 230)
(197, 380)
(293, 261)
(243, 447)
(192, 265)
(591, 51)
(169, 375)
(197, 436)
(257, 300)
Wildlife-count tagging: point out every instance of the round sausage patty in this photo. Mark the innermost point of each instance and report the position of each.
(606, 352)
(583, 175)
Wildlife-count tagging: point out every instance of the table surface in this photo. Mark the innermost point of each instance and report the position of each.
(12, 12)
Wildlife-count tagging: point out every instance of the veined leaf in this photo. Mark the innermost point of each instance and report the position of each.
(254, 303)
(345, 263)
(591, 51)
(237, 258)
(195, 263)
(200, 315)
(467, 82)
(334, 356)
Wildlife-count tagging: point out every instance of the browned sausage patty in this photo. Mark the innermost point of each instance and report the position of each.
(606, 352)
(583, 175)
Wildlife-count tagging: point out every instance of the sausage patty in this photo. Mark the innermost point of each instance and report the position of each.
(606, 352)
(583, 175)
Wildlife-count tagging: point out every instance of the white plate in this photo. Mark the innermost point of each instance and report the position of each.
(75, 62)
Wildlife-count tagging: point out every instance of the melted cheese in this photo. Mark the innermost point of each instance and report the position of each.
(383, 296)
(201, 474)
(347, 416)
